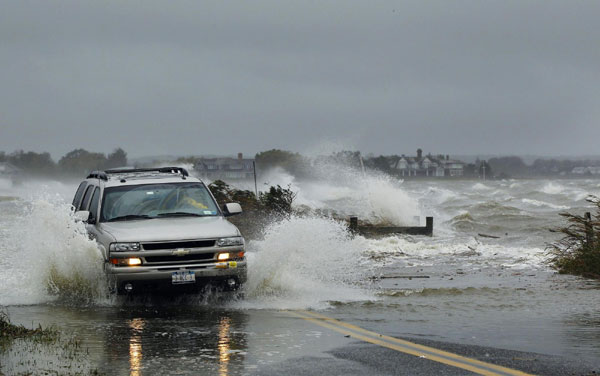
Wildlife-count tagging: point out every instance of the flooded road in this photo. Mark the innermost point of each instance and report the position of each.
(180, 339)
(455, 287)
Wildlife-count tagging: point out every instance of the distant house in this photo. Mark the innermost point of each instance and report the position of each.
(225, 168)
(590, 170)
(9, 171)
(428, 166)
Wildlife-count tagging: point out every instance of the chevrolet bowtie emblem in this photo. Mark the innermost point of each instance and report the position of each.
(180, 252)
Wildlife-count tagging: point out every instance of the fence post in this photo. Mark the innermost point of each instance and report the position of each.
(429, 225)
(354, 224)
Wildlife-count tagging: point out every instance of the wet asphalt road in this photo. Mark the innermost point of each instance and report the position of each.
(362, 359)
(206, 341)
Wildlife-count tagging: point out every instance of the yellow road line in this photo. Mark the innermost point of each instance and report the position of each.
(407, 347)
(416, 345)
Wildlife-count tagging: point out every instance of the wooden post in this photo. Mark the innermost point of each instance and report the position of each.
(429, 225)
(354, 224)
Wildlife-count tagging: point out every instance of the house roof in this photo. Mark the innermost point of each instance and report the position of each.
(432, 160)
(8, 168)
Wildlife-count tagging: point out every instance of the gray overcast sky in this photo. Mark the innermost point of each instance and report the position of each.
(200, 77)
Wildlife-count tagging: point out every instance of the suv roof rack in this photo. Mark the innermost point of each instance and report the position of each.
(103, 175)
(97, 175)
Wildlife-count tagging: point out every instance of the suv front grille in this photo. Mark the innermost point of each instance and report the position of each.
(186, 258)
(175, 245)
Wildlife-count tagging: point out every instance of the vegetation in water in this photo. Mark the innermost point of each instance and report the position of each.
(578, 252)
(40, 351)
(9, 332)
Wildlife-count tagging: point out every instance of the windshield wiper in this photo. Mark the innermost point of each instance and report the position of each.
(180, 214)
(130, 216)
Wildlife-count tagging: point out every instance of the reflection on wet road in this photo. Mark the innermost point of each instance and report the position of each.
(182, 339)
(173, 339)
(135, 346)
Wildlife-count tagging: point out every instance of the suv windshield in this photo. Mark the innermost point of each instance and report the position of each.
(157, 200)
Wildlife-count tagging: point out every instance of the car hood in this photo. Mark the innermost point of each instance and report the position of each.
(170, 229)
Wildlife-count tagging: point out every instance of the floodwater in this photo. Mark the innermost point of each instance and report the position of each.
(456, 286)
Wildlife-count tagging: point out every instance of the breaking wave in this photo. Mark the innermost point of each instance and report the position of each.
(346, 191)
(552, 188)
(544, 204)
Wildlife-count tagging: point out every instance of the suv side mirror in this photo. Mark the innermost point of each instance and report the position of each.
(82, 216)
(232, 209)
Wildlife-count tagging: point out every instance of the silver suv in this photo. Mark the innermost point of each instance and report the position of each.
(160, 228)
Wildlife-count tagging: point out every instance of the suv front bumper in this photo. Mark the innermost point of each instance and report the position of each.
(146, 278)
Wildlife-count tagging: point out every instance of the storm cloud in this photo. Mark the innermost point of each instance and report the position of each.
(217, 77)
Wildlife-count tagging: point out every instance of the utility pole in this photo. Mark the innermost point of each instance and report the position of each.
(255, 185)
(483, 168)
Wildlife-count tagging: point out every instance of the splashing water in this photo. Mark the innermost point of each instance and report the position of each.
(47, 255)
(305, 262)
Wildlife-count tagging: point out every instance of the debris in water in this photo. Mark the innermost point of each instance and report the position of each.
(489, 236)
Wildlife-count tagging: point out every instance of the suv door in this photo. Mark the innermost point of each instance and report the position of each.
(78, 195)
(85, 203)
(93, 208)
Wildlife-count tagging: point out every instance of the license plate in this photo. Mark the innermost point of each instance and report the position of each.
(183, 276)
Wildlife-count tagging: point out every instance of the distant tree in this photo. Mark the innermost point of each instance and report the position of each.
(347, 158)
(513, 166)
(380, 163)
(471, 170)
(550, 166)
(2, 156)
(81, 161)
(187, 160)
(293, 163)
(118, 158)
(32, 162)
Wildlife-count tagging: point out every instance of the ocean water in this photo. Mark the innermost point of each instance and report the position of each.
(458, 285)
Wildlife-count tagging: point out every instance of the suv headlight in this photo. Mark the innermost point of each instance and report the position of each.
(229, 242)
(124, 247)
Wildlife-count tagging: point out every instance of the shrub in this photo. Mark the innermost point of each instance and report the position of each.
(578, 252)
(221, 191)
(224, 193)
(274, 204)
(278, 200)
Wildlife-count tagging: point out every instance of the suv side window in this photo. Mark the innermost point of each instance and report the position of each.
(78, 194)
(86, 199)
(94, 204)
